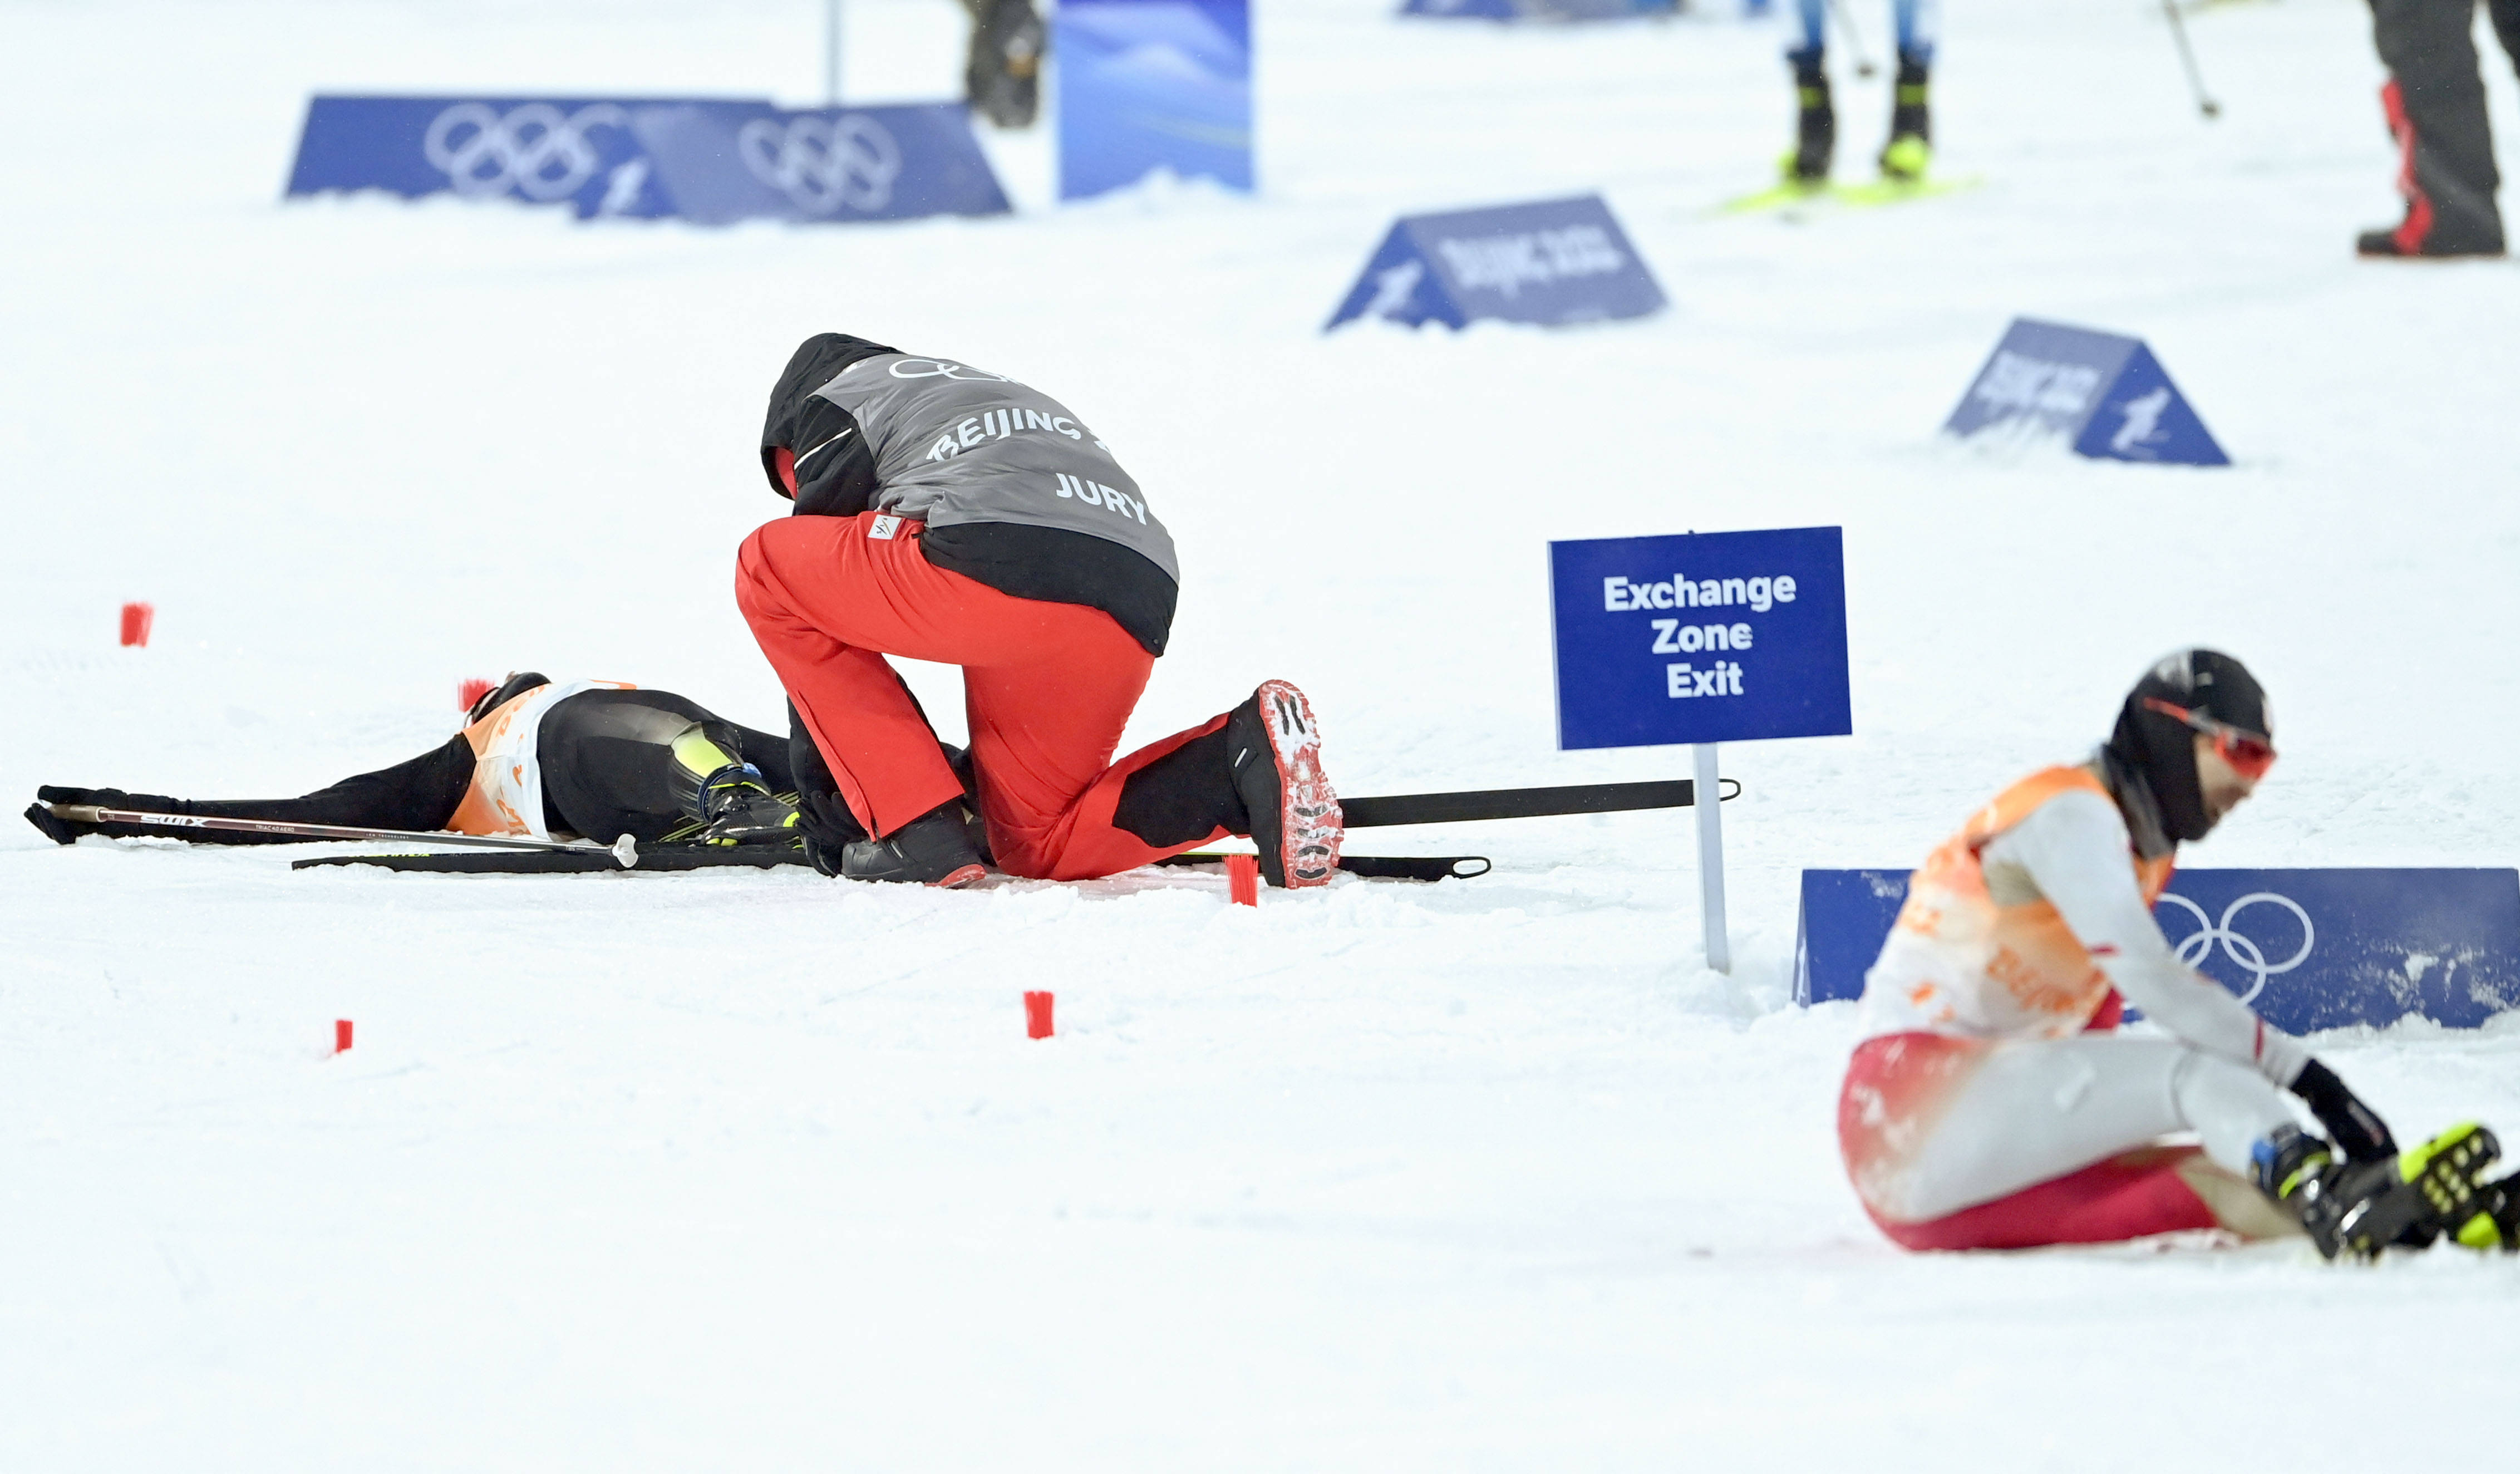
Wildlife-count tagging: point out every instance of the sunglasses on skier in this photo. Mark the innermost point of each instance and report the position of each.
(2250, 754)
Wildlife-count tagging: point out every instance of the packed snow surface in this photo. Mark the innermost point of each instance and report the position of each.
(759, 1172)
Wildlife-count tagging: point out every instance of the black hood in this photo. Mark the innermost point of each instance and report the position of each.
(797, 421)
(2161, 751)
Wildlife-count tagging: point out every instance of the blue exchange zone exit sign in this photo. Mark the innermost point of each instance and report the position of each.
(1700, 637)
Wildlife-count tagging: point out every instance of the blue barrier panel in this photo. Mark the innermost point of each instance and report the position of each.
(1702, 637)
(2307, 949)
(1537, 10)
(1556, 261)
(1149, 84)
(2105, 395)
(706, 159)
(725, 162)
(539, 149)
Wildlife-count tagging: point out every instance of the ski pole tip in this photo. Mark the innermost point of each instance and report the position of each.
(626, 850)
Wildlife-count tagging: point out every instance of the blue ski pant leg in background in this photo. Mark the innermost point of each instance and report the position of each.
(1916, 23)
(1811, 33)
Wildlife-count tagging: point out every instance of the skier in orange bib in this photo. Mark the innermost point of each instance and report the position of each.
(536, 757)
(1996, 1106)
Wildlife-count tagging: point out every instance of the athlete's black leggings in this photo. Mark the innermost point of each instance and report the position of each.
(607, 762)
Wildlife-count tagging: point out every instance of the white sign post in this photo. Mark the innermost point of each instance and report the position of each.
(1710, 859)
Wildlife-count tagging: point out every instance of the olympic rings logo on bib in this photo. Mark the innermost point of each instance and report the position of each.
(2194, 948)
(823, 163)
(534, 149)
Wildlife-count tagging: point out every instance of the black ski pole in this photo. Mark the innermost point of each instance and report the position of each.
(1521, 802)
(624, 849)
(2187, 59)
(1846, 22)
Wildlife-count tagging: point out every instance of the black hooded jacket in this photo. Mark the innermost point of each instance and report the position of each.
(835, 477)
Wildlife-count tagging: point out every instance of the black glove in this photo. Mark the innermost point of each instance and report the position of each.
(63, 831)
(2355, 1127)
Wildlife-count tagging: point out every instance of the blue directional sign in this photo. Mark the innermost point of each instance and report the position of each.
(2308, 949)
(1699, 638)
(1153, 84)
(709, 160)
(2104, 395)
(1553, 261)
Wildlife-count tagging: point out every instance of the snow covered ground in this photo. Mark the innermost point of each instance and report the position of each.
(759, 1172)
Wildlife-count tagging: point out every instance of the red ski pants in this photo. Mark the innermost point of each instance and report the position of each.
(1048, 688)
(1964, 1143)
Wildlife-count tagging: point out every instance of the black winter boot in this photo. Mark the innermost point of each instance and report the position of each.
(724, 800)
(1814, 123)
(933, 850)
(1274, 748)
(2357, 1209)
(1910, 148)
(1003, 81)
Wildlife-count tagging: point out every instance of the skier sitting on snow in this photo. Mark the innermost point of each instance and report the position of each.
(945, 513)
(1995, 1106)
(535, 757)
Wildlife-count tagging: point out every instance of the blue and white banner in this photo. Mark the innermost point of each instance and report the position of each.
(712, 161)
(2307, 949)
(1153, 84)
(1537, 10)
(1700, 637)
(1553, 261)
(2104, 395)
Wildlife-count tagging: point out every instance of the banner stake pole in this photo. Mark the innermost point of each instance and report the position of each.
(831, 54)
(1710, 859)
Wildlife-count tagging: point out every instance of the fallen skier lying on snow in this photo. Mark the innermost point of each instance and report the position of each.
(554, 762)
(1996, 1106)
(535, 758)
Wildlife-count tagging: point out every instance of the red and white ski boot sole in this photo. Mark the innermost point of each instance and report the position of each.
(1310, 826)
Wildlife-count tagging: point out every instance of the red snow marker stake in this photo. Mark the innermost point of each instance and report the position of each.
(1242, 879)
(341, 1035)
(136, 620)
(1037, 1016)
(471, 690)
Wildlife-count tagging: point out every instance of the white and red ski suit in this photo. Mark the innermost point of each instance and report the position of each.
(1993, 1104)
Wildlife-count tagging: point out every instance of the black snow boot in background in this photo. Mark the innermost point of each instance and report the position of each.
(1814, 123)
(1910, 148)
(933, 850)
(2434, 106)
(1003, 81)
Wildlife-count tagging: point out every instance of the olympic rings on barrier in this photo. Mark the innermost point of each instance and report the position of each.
(535, 149)
(2194, 948)
(823, 163)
